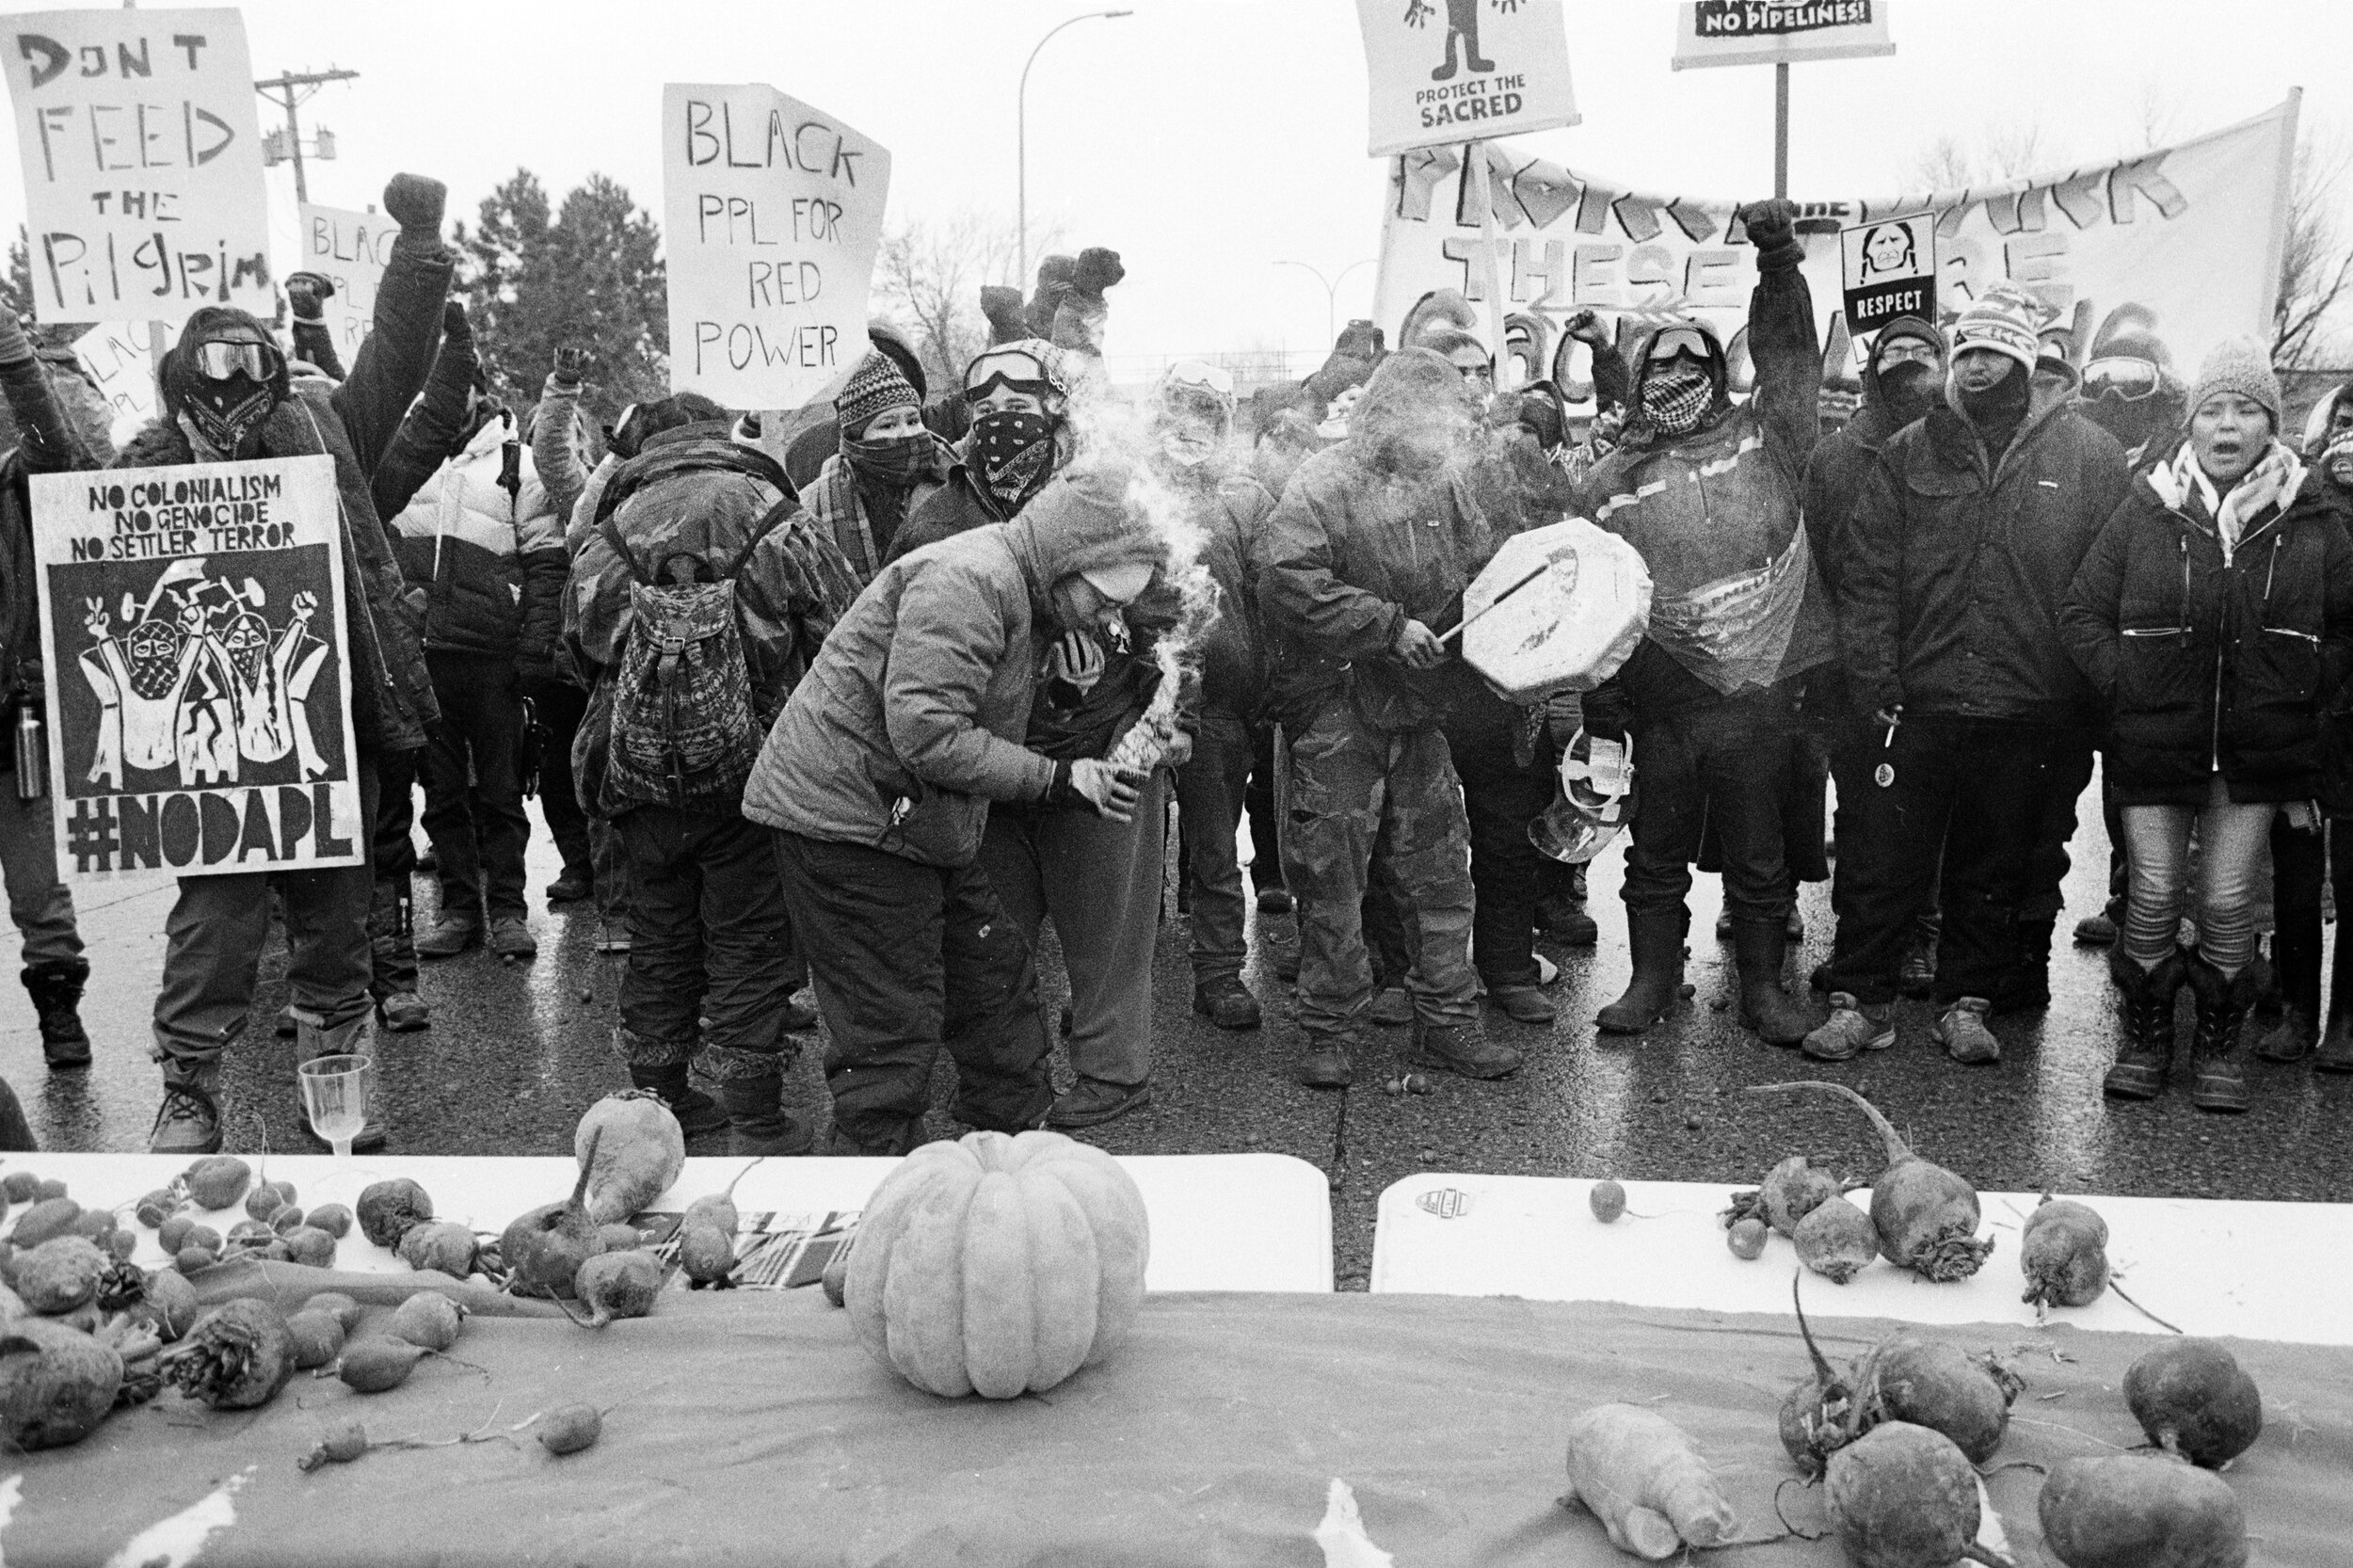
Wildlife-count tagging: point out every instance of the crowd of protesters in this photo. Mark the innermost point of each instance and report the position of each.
(864, 703)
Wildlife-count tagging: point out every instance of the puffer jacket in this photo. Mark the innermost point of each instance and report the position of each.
(1959, 560)
(911, 721)
(1356, 548)
(1230, 508)
(485, 545)
(2208, 665)
(1723, 500)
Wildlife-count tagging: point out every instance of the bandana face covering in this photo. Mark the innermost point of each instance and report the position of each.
(897, 461)
(1909, 389)
(1676, 398)
(1014, 452)
(225, 412)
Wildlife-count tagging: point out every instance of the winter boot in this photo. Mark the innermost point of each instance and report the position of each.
(55, 986)
(403, 1013)
(2027, 988)
(2099, 931)
(2336, 1046)
(190, 1121)
(312, 1041)
(2223, 1004)
(1463, 1048)
(1656, 936)
(1758, 946)
(1323, 1062)
(2147, 1051)
(1390, 1007)
(696, 1111)
(758, 1123)
(449, 936)
(2296, 954)
(1226, 1002)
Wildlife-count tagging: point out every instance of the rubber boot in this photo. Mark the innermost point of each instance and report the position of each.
(2336, 1046)
(696, 1111)
(2296, 954)
(1758, 947)
(2223, 1004)
(190, 1119)
(1656, 936)
(758, 1123)
(312, 1041)
(2146, 1052)
(55, 986)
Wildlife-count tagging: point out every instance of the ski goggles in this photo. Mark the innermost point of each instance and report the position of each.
(1200, 374)
(2122, 376)
(1678, 340)
(218, 362)
(1017, 372)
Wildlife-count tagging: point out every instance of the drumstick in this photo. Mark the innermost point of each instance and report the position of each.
(1566, 551)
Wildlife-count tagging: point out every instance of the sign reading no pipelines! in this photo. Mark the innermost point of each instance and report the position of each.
(197, 672)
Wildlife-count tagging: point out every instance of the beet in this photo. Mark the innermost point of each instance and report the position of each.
(340, 1443)
(618, 1285)
(1606, 1199)
(2064, 1254)
(1926, 1217)
(1791, 1190)
(388, 1209)
(707, 1255)
(312, 1248)
(237, 1356)
(1903, 1496)
(568, 1429)
(218, 1180)
(267, 1198)
(376, 1365)
(56, 1383)
(346, 1311)
(20, 1186)
(1747, 1239)
(717, 1210)
(319, 1337)
(1836, 1241)
(429, 1319)
(1930, 1383)
(618, 1238)
(332, 1218)
(2139, 1511)
(440, 1246)
(174, 1233)
(1817, 1415)
(2193, 1399)
(44, 1221)
(544, 1248)
(60, 1274)
(169, 1304)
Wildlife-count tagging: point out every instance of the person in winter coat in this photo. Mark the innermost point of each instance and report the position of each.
(888, 464)
(1019, 396)
(2215, 615)
(226, 393)
(877, 782)
(1371, 545)
(710, 967)
(941, 414)
(1958, 550)
(1709, 493)
(482, 545)
(52, 422)
(1903, 380)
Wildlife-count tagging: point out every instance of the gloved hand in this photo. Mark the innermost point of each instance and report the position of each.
(1772, 228)
(456, 329)
(416, 201)
(1586, 328)
(1075, 659)
(570, 360)
(1098, 271)
(1003, 306)
(308, 293)
(1110, 792)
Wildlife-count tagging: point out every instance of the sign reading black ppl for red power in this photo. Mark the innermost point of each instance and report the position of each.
(1449, 70)
(773, 213)
(143, 163)
(1888, 269)
(198, 674)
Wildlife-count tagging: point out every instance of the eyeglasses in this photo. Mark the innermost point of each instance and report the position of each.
(1200, 372)
(1678, 340)
(2117, 375)
(1910, 351)
(218, 362)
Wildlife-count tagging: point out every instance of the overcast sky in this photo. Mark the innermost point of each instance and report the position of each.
(1208, 140)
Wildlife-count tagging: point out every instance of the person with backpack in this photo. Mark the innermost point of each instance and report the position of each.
(694, 608)
(877, 783)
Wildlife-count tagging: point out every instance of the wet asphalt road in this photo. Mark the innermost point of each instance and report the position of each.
(517, 1052)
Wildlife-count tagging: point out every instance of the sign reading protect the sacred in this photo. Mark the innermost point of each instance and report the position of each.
(143, 163)
(1448, 71)
(199, 679)
(350, 249)
(773, 213)
(1889, 271)
(1776, 32)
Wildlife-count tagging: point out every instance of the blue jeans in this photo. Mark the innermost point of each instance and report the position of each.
(2230, 841)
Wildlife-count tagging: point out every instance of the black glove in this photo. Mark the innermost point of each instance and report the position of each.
(1001, 306)
(1772, 228)
(308, 292)
(570, 360)
(456, 329)
(416, 201)
(1098, 271)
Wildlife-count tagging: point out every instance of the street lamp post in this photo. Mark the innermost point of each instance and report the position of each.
(1021, 153)
(1331, 293)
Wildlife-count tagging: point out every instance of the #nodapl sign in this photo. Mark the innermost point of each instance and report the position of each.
(198, 668)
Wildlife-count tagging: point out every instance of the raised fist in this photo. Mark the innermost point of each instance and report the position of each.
(1772, 225)
(454, 323)
(415, 201)
(306, 291)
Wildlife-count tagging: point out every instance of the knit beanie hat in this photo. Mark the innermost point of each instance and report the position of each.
(2238, 365)
(2003, 318)
(873, 388)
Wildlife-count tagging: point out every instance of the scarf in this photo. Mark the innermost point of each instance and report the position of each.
(1675, 400)
(227, 413)
(1015, 453)
(2273, 481)
(895, 462)
(1996, 413)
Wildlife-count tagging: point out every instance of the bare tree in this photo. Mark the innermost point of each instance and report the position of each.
(2317, 260)
(1996, 154)
(928, 277)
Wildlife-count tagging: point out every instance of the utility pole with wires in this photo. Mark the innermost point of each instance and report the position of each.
(289, 92)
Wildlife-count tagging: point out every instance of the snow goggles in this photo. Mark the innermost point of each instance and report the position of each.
(218, 362)
(1201, 374)
(2122, 376)
(1678, 340)
(991, 371)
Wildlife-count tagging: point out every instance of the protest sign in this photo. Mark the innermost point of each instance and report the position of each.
(142, 163)
(1888, 270)
(773, 213)
(1449, 70)
(2179, 244)
(1777, 32)
(120, 358)
(198, 674)
(349, 250)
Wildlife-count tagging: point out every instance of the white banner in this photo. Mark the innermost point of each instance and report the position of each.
(350, 249)
(773, 212)
(2181, 243)
(1450, 71)
(120, 358)
(1776, 32)
(142, 158)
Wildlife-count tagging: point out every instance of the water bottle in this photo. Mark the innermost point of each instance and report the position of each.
(32, 761)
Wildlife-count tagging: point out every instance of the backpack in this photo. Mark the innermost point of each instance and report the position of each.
(684, 732)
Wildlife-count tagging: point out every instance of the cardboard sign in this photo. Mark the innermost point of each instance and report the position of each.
(350, 249)
(143, 190)
(773, 212)
(1889, 271)
(199, 679)
(1776, 32)
(1449, 70)
(120, 358)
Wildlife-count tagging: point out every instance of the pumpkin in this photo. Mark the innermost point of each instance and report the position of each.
(632, 1149)
(999, 1265)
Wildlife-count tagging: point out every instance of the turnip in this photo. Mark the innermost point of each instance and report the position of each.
(2193, 1399)
(20, 1186)
(1642, 1477)
(174, 1233)
(332, 1218)
(340, 1443)
(544, 1248)
(440, 1246)
(237, 1356)
(568, 1429)
(1836, 1241)
(378, 1366)
(1930, 1383)
(717, 1210)
(347, 1312)
(310, 1247)
(60, 1274)
(55, 1385)
(707, 1255)
(1817, 1415)
(389, 1209)
(618, 1285)
(631, 1149)
(1606, 1199)
(1791, 1192)
(1903, 1496)
(319, 1337)
(2138, 1511)
(1747, 1239)
(1925, 1216)
(155, 1208)
(429, 1319)
(218, 1180)
(44, 1221)
(2064, 1254)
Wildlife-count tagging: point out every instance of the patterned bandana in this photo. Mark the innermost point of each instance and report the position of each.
(1674, 399)
(1015, 453)
(225, 412)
